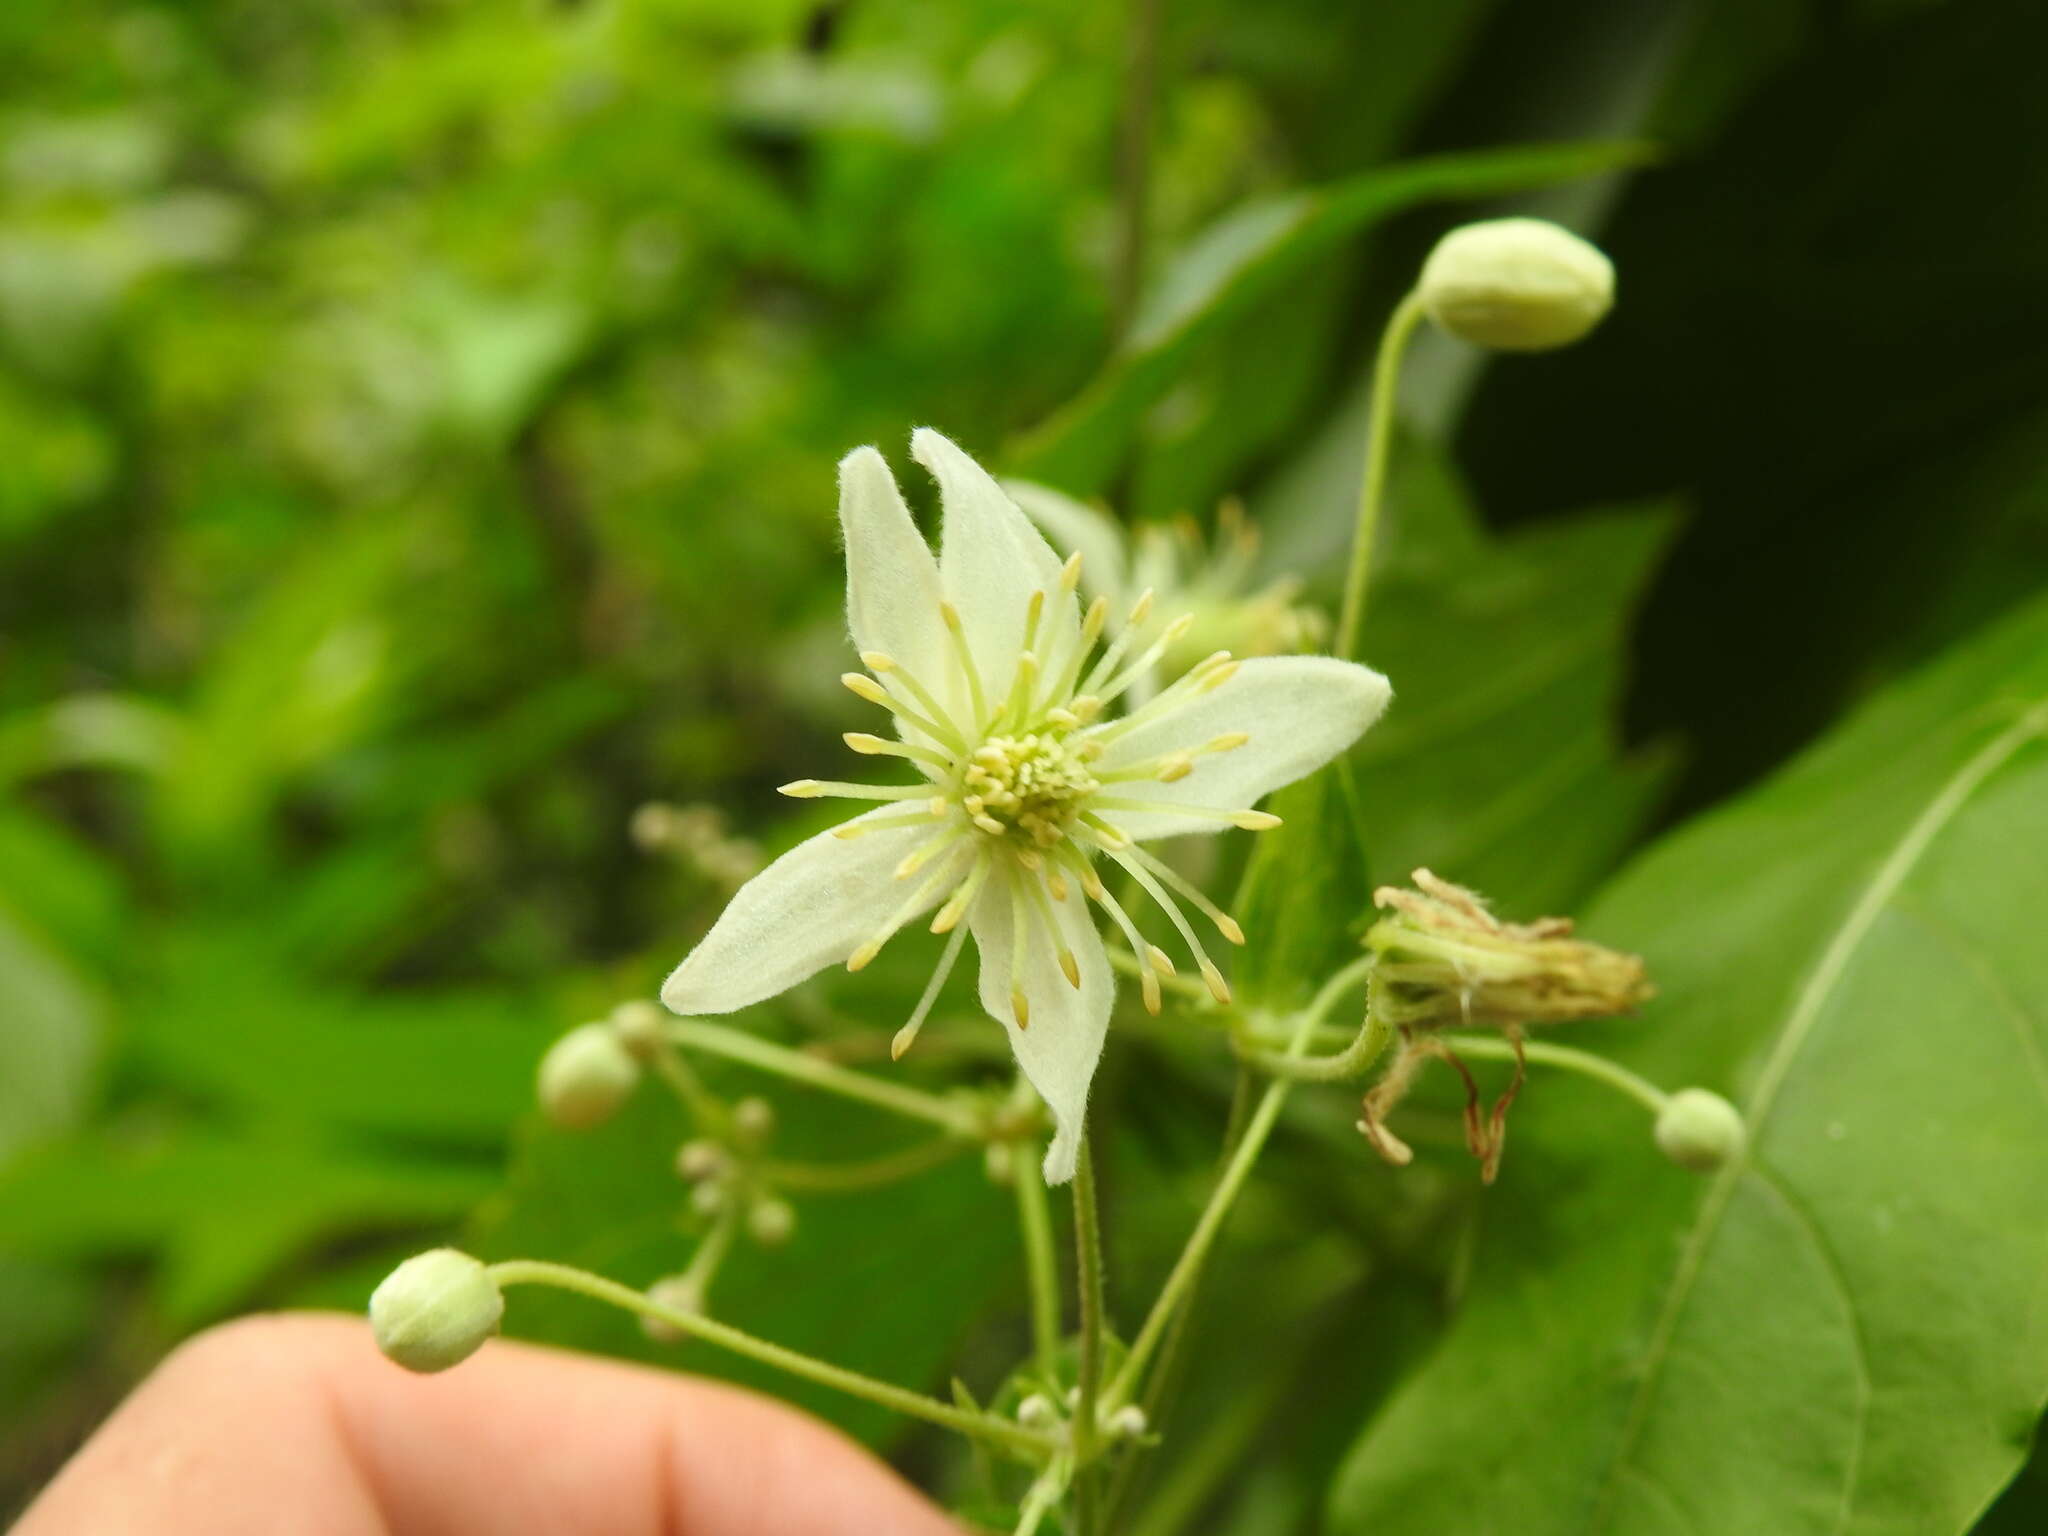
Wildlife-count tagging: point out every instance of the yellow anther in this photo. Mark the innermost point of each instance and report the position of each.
(1255, 821)
(859, 959)
(1070, 967)
(1020, 1005)
(801, 789)
(1148, 989)
(1229, 741)
(1218, 987)
(1175, 768)
(1070, 573)
(865, 744)
(866, 687)
(1227, 926)
(878, 661)
(1162, 962)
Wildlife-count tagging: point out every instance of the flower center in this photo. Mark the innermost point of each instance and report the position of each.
(1029, 787)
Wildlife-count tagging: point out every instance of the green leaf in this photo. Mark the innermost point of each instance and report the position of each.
(1500, 764)
(1249, 255)
(1304, 890)
(50, 1024)
(219, 1213)
(1843, 1332)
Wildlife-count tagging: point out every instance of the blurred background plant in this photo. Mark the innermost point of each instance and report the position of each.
(417, 423)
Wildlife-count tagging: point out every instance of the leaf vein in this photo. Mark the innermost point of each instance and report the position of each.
(1831, 1263)
(1953, 795)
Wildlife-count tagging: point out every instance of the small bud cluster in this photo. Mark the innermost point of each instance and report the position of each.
(1700, 1130)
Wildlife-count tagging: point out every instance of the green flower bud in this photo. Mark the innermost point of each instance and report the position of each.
(638, 1024)
(699, 1160)
(1037, 1412)
(678, 1293)
(1516, 285)
(585, 1077)
(1699, 1130)
(753, 1121)
(771, 1222)
(1127, 1423)
(435, 1310)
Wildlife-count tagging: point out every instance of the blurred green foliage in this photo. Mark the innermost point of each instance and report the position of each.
(417, 423)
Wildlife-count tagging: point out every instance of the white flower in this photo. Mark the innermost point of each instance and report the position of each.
(1003, 705)
(1184, 573)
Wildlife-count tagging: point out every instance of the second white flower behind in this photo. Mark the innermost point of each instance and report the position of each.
(1003, 695)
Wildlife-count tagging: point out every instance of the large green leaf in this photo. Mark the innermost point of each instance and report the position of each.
(1841, 1332)
(1247, 257)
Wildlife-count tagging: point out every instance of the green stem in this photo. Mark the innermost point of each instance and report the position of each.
(704, 1107)
(1585, 1063)
(887, 1394)
(1044, 1494)
(1041, 1270)
(1088, 1260)
(1164, 1381)
(1187, 1268)
(1134, 165)
(695, 1034)
(710, 1255)
(1386, 379)
(839, 1178)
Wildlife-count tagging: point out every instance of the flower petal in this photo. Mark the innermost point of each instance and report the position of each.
(1059, 1050)
(1079, 529)
(892, 581)
(1301, 711)
(815, 905)
(990, 561)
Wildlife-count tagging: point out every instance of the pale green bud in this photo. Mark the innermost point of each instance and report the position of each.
(1127, 1423)
(435, 1310)
(639, 1025)
(699, 1160)
(1037, 1412)
(1516, 285)
(771, 1222)
(678, 1293)
(1699, 1130)
(753, 1121)
(585, 1077)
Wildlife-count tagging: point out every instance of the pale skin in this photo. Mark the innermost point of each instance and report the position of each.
(297, 1423)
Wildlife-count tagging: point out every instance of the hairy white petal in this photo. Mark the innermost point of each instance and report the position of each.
(892, 581)
(1301, 712)
(809, 909)
(1059, 1050)
(991, 560)
(1079, 529)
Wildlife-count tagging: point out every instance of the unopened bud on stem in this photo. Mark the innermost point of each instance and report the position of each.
(1699, 1130)
(435, 1310)
(1516, 285)
(585, 1076)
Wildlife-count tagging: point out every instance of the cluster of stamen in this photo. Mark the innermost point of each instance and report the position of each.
(1030, 786)
(1014, 790)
